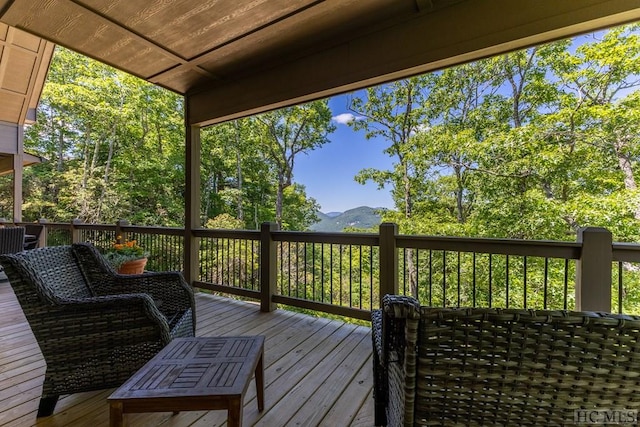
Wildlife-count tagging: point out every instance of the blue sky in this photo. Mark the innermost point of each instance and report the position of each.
(328, 172)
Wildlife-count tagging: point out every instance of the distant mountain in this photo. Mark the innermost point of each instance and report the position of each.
(362, 217)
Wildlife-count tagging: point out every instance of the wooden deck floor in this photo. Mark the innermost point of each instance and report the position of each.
(317, 371)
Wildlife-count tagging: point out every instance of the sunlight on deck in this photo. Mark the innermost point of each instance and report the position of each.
(317, 371)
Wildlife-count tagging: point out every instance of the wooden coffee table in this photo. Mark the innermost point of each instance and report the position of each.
(193, 374)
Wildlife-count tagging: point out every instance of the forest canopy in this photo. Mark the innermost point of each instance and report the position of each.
(533, 144)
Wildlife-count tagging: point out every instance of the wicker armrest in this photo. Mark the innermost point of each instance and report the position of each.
(168, 289)
(376, 331)
(400, 306)
(397, 311)
(389, 326)
(106, 321)
(380, 382)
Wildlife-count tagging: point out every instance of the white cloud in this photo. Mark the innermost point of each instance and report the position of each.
(344, 118)
(421, 129)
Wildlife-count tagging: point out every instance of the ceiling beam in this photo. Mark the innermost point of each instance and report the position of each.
(464, 32)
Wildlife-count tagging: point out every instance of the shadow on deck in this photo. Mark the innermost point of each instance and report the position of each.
(317, 371)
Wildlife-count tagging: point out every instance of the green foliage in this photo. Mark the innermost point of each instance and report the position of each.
(225, 221)
(246, 173)
(113, 145)
(533, 144)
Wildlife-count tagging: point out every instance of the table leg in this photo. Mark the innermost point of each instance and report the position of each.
(234, 413)
(260, 382)
(115, 414)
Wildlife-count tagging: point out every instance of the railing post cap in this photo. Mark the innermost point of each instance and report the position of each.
(593, 230)
(122, 222)
(42, 221)
(76, 221)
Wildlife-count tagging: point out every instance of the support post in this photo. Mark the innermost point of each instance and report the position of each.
(75, 231)
(388, 259)
(192, 203)
(121, 235)
(18, 167)
(593, 270)
(268, 271)
(42, 239)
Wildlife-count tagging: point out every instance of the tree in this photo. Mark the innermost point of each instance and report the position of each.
(509, 197)
(602, 77)
(287, 133)
(458, 107)
(393, 112)
(113, 142)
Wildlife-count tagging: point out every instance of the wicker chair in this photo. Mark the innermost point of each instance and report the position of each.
(95, 328)
(486, 367)
(11, 240)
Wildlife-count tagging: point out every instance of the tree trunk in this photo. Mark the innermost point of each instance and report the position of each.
(408, 200)
(159, 139)
(84, 203)
(60, 164)
(412, 271)
(239, 173)
(459, 195)
(280, 200)
(255, 216)
(107, 167)
(206, 194)
(624, 162)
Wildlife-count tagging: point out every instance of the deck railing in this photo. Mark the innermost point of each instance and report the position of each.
(346, 273)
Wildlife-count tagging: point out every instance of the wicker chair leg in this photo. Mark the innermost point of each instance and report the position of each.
(380, 416)
(47, 406)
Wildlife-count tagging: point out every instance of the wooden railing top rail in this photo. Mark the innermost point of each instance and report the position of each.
(227, 234)
(626, 252)
(364, 239)
(167, 231)
(539, 248)
(78, 225)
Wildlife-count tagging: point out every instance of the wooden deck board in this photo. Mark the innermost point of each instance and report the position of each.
(317, 371)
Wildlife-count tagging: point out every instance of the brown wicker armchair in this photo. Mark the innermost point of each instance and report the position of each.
(95, 328)
(486, 367)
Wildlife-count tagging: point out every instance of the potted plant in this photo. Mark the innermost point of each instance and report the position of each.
(127, 257)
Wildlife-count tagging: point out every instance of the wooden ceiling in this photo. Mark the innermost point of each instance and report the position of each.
(185, 44)
(232, 58)
(24, 60)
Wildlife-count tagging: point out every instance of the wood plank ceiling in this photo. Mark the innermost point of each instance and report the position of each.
(185, 44)
(237, 57)
(24, 60)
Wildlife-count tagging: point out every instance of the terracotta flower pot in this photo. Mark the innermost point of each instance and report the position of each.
(133, 267)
